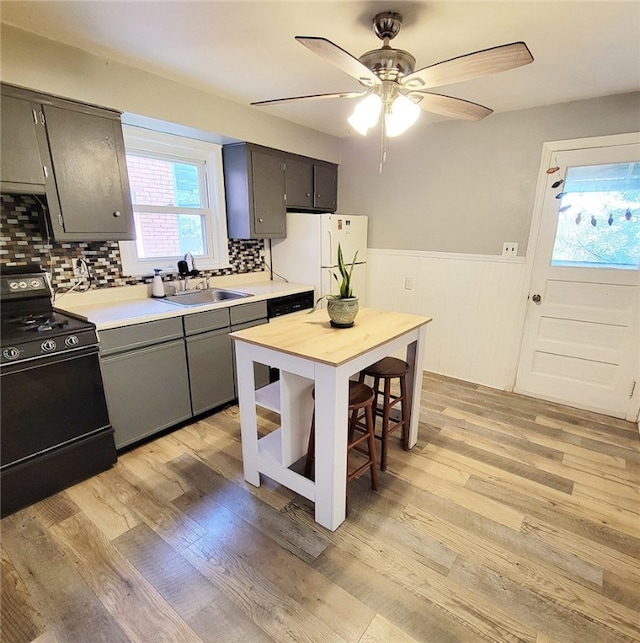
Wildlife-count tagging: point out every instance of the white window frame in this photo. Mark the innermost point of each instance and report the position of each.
(137, 139)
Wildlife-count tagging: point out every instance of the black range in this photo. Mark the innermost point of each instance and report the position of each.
(55, 425)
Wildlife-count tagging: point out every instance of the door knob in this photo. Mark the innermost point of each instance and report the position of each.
(536, 299)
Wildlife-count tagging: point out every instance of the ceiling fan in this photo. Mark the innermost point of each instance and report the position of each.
(392, 86)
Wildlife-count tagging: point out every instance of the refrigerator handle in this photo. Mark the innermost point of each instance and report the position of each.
(333, 259)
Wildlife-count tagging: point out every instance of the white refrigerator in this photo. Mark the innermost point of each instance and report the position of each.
(309, 254)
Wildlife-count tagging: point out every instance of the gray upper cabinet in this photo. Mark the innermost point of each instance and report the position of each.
(254, 191)
(87, 152)
(73, 153)
(21, 167)
(312, 185)
(299, 175)
(325, 187)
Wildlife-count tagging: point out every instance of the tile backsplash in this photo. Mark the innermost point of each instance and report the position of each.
(23, 242)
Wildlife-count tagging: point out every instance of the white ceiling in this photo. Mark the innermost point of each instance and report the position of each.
(245, 51)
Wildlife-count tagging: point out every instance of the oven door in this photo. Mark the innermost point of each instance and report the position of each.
(49, 402)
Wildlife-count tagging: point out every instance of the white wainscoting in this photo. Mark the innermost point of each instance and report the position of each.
(477, 303)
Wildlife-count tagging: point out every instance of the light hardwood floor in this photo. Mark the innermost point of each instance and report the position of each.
(511, 520)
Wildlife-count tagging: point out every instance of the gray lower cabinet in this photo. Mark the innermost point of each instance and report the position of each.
(160, 373)
(210, 359)
(144, 369)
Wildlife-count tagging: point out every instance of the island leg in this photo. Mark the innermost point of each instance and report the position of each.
(331, 412)
(415, 359)
(248, 418)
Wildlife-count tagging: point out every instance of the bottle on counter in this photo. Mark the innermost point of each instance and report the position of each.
(157, 289)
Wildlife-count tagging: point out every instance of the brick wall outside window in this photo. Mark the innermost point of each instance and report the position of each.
(152, 183)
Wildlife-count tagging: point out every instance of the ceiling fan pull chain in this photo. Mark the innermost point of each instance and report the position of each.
(383, 145)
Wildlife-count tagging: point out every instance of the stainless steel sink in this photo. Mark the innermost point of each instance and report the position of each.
(203, 297)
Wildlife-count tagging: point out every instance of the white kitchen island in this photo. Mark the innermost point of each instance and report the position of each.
(310, 353)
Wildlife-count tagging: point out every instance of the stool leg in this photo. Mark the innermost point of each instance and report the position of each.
(372, 447)
(385, 423)
(405, 412)
(311, 447)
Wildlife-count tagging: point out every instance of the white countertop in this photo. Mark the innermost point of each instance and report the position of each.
(132, 304)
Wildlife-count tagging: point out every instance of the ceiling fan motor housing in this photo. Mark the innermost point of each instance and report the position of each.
(388, 63)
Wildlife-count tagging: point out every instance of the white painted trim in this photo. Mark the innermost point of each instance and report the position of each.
(452, 256)
(216, 224)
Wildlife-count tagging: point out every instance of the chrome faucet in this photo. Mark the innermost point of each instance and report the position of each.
(193, 272)
(188, 256)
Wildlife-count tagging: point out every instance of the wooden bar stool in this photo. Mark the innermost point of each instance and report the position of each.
(361, 397)
(386, 370)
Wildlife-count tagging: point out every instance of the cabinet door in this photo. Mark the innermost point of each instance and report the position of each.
(299, 183)
(210, 360)
(269, 211)
(20, 164)
(87, 152)
(325, 178)
(147, 390)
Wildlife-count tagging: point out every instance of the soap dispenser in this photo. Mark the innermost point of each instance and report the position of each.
(157, 289)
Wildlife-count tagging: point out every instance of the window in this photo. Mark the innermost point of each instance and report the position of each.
(599, 217)
(178, 202)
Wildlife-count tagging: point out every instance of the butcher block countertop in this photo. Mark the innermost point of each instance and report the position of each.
(311, 335)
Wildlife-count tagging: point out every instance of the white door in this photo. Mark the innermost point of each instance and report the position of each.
(581, 343)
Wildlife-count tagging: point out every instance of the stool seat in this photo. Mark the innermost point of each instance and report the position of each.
(387, 367)
(384, 371)
(361, 397)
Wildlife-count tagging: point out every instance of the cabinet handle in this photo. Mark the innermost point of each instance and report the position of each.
(308, 194)
(260, 220)
(117, 213)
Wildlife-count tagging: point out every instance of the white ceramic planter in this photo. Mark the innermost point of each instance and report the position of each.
(342, 312)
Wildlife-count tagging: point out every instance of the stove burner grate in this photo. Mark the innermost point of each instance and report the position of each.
(38, 323)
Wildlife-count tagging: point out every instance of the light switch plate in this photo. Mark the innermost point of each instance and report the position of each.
(509, 249)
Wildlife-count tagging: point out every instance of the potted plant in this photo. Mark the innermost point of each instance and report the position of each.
(343, 307)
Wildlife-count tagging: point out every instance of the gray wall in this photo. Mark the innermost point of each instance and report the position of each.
(466, 187)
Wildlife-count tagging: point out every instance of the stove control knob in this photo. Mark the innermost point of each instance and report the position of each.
(23, 285)
(48, 345)
(11, 353)
(71, 340)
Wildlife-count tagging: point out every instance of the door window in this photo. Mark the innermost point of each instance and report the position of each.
(599, 217)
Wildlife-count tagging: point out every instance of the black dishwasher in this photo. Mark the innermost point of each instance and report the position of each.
(287, 304)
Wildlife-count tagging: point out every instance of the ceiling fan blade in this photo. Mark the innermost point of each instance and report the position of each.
(450, 106)
(340, 58)
(474, 65)
(310, 97)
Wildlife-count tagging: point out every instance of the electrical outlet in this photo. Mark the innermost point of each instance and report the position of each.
(408, 283)
(80, 268)
(509, 249)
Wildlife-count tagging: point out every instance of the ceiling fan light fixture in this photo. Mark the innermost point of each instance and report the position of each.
(366, 114)
(400, 116)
